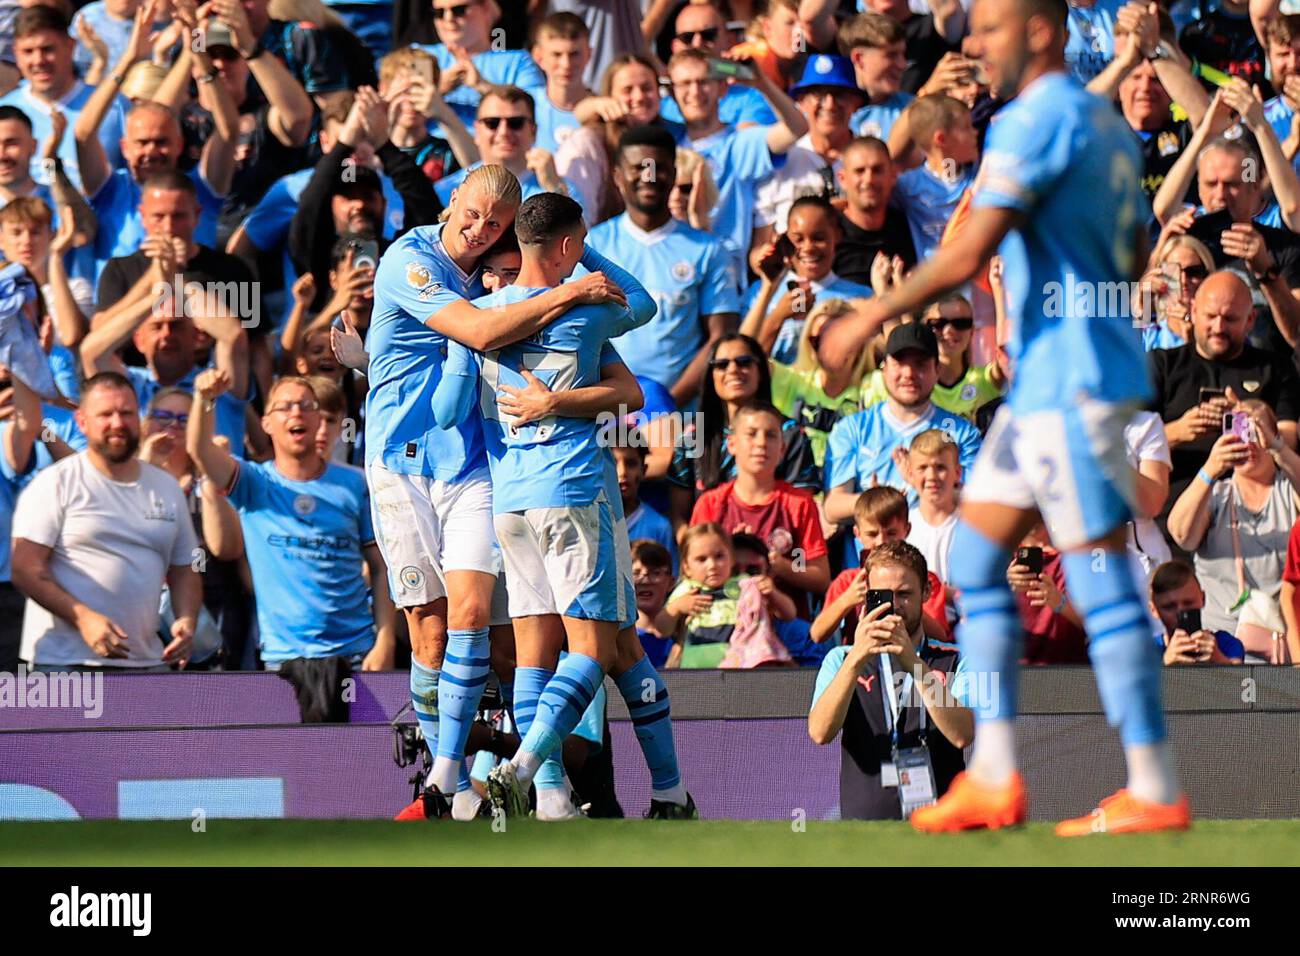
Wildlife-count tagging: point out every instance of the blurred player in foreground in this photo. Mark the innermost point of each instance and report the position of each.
(1060, 183)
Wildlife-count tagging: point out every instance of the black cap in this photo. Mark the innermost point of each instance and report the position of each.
(912, 336)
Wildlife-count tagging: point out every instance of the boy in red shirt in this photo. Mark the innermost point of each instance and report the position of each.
(782, 516)
(879, 515)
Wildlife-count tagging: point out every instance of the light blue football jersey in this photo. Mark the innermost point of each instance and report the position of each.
(304, 543)
(498, 67)
(1068, 162)
(553, 124)
(861, 446)
(1090, 44)
(877, 119)
(415, 280)
(689, 275)
(928, 200)
(740, 104)
(739, 161)
(555, 461)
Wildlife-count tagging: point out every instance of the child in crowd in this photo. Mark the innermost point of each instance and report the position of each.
(643, 521)
(752, 559)
(785, 518)
(941, 128)
(703, 605)
(880, 515)
(934, 470)
(1053, 628)
(652, 576)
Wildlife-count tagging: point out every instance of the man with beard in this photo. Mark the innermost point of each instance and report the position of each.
(684, 269)
(866, 690)
(96, 536)
(1219, 357)
(1283, 48)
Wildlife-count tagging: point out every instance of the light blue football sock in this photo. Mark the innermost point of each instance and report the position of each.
(529, 684)
(465, 669)
(567, 696)
(646, 697)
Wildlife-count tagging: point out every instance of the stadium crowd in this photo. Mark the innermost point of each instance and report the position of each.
(197, 199)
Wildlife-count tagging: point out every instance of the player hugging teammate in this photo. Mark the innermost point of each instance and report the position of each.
(434, 337)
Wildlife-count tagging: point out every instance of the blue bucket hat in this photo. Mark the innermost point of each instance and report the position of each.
(826, 70)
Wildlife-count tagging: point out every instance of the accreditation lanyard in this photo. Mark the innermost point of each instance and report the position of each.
(893, 706)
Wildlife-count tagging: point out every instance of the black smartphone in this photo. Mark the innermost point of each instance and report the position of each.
(1189, 620)
(720, 69)
(879, 596)
(1210, 394)
(1031, 558)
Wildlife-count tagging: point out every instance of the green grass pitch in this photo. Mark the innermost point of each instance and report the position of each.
(626, 842)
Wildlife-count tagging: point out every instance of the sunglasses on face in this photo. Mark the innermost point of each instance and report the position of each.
(457, 12)
(740, 361)
(1195, 273)
(688, 36)
(515, 123)
(305, 405)
(169, 419)
(961, 325)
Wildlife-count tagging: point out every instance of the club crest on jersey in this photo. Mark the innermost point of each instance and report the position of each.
(1167, 143)
(303, 505)
(968, 392)
(412, 577)
(683, 271)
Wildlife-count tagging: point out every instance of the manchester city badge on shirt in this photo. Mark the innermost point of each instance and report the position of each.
(1167, 143)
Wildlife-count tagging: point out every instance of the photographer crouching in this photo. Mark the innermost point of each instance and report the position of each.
(902, 743)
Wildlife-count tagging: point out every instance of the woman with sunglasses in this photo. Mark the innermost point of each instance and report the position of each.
(1164, 297)
(738, 373)
(629, 97)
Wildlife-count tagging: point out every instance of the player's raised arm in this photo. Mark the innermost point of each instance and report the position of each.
(952, 265)
(453, 399)
(639, 301)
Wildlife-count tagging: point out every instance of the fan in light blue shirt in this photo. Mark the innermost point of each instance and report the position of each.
(739, 106)
(860, 450)
(498, 67)
(928, 199)
(1090, 45)
(877, 119)
(71, 105)
(689, 275)
(305, 542)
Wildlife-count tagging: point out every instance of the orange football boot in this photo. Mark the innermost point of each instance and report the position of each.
(429, 805)
(971, 805)
(1124, 813)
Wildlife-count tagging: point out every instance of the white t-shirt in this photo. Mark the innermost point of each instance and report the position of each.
(112, 543)
(804, 173)
(933, 541)
(1144, 440)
